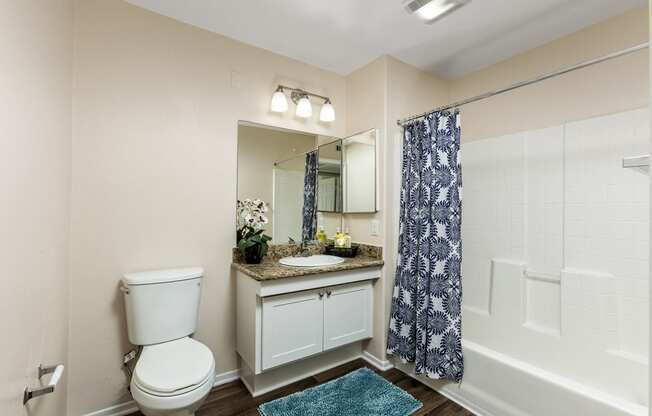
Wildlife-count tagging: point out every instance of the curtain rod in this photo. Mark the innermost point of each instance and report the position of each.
(529, 81)
(278, 162)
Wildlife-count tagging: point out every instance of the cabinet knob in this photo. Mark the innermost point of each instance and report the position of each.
(321, 295)
(329, 293)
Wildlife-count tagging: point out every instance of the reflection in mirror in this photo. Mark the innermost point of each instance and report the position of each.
(288, 199)
(259, 147)
(329, 182)
(279, 166)
(309, 209)
(359, 172)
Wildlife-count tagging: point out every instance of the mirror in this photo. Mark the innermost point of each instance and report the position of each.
(276, 165)
(359, 172)
(307, 181)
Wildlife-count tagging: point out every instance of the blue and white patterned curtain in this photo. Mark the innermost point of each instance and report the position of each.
(309, 227)
(426, 324)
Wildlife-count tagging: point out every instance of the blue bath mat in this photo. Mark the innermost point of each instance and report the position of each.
(360, 393)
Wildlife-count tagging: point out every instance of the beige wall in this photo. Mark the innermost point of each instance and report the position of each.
(36, 50)
(609, 87)
(154, 172)
(258, 149)
(366, 99)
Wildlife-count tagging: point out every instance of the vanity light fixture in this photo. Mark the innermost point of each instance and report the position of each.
(432, 10)
(327, 113)
(279, 101)
(304, 108)
(301, 98)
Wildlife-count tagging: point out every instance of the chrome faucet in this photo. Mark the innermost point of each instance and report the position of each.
(305, 248)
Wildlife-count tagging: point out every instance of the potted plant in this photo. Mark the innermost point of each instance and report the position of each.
(251, 221)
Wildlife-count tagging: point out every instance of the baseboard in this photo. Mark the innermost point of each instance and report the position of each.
(129, 407)
(227, 377)
(382, 365)
(121, 409)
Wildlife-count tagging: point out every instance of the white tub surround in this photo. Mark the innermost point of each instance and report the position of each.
(555, 270)
(291, 328)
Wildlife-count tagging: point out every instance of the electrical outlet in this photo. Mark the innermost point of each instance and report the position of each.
(374, 227)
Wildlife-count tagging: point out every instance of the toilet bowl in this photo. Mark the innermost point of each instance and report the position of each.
(174, 373)
(173, 378)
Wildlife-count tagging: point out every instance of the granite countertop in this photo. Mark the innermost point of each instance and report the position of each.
(271, 269)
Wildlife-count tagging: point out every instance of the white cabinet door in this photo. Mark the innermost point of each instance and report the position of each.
(293, 327)
(347, 314)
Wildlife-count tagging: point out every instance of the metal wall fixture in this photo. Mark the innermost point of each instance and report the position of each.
(641, 162)
(55, 370)
(301, 98)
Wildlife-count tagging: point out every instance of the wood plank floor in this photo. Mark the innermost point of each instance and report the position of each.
(233, 398)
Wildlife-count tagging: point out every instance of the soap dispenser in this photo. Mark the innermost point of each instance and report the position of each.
(321, 235)
(338, 239)
(347, 238)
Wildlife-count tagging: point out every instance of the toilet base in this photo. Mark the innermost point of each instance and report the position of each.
(156, 412)
(182, 405)
(189, 411)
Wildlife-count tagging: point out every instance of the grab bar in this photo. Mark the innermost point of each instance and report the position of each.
(640, 161)
(57, 372)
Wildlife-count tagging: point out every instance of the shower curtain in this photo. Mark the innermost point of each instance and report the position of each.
(425, 324)
(309, 227)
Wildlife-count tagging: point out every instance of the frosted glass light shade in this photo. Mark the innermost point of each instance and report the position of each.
(327, 112)
(279, 102)
(304, 108)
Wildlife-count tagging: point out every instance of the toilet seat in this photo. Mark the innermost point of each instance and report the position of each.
(189, 402)
(174, 368)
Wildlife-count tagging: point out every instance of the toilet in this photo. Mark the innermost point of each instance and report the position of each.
(174, 373)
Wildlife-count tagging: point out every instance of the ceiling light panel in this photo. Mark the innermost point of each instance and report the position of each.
(433, 10)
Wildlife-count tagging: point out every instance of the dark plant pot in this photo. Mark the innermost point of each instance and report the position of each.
(253, 255)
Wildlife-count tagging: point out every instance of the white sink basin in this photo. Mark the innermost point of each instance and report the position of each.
(311, 261)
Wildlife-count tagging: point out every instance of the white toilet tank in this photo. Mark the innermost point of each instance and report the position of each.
(162, 305)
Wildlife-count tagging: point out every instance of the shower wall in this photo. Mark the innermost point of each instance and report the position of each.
(555, 263)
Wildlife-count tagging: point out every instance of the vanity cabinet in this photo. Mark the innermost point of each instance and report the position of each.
(298, 325)
(283, 321)
(292, 327)
(347, 314)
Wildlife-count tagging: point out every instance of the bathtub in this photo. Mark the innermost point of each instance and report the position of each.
(498, 385)
(555, 314)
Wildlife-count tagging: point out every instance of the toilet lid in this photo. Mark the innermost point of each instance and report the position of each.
(173, 367)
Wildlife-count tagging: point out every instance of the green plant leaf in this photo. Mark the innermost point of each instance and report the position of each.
(245, 244)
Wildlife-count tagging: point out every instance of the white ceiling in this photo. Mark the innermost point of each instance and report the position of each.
(343, 35)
